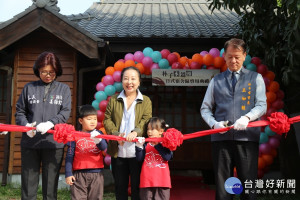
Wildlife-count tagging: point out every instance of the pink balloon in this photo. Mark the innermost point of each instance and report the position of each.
(172, 58)
(165, 53)
(214, 52)
(147, 61)
(210, 67)
(278, 104)
(117, 76)
(107, 160)
(195, 65)
(100, 86)
(108, 80)
(154, 66)
(274, 142)
(265, 148)
(128, 56)
(203, 53)
(177, 65)
(102, 105)
(138, 56)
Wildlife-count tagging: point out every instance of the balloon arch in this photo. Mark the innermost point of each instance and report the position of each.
(147, 60)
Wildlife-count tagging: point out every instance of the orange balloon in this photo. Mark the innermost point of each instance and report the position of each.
(197, 58)
(147, 71)
(219, 62)
(268, 159)
(261, 163)
(177, 54)
(129, 63)
(273, 86)
(103, 130)
(208, 60)
(183, 60)
(268, 104)
(271, 96)
(109, 70)
(140, 67)
(119, 66)
(224, 67)
(270, 75)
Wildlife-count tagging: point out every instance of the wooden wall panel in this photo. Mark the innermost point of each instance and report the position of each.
(28, 50)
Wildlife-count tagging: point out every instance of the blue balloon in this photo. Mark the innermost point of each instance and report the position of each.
(268, 131)
(118, 86)
(148, 51)
(263, 137)
(95, 104)
(251, 67)
(163, 64)
(109, 90)
(156, 56)
(221, 52)
(100, 96)
(247, 60)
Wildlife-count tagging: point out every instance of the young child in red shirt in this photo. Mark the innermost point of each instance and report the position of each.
(84, 159)
(155, 181)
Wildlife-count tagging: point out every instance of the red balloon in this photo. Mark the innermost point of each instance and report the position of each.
(102, 105)
(280, 94)
(260, 173)
(256, 61)
(99, 125)
(262, 69)
(172, 58)
(270, 111)
(267, 158)
(100, 115)
(165, 53)
(267, 81)
(210, 67)
(195, 65)
(177, 65)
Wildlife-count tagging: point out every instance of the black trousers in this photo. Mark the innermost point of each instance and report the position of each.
(229, 154)
(32, 159)
(122, 168)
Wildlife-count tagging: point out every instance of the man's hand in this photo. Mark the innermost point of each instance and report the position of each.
(241, 123)
(221, 124)
(131, 136)
(31, 133)
(44, 127)
(121, 142)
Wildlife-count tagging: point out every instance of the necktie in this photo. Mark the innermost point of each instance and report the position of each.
(233, 80)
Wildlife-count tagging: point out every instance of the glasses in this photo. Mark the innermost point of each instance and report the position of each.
(45, 73)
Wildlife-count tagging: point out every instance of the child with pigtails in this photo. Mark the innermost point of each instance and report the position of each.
(155, 180)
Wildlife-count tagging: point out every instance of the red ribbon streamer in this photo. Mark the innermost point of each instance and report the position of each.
(172, 138)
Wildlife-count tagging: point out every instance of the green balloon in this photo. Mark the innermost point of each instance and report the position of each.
(268, 131)
(263, 137)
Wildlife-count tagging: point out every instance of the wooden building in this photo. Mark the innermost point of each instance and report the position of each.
(87, 43)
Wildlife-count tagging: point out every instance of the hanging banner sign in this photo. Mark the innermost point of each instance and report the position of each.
(182, 77)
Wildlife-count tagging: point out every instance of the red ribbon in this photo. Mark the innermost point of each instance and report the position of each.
(172, 138)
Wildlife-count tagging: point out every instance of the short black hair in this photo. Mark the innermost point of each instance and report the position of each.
(236, 43)
(86, 110)
(47, 58)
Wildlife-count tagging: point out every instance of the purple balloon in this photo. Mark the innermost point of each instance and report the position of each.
(147, 61)
(100, 86)
(107, 160)
(267, 81)
(214, 52)
(265, 148)
(154, 66)
(117, 76)
(128, 56)
(274, 142)
(108, 80)
(203, 53)
(138, 56)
